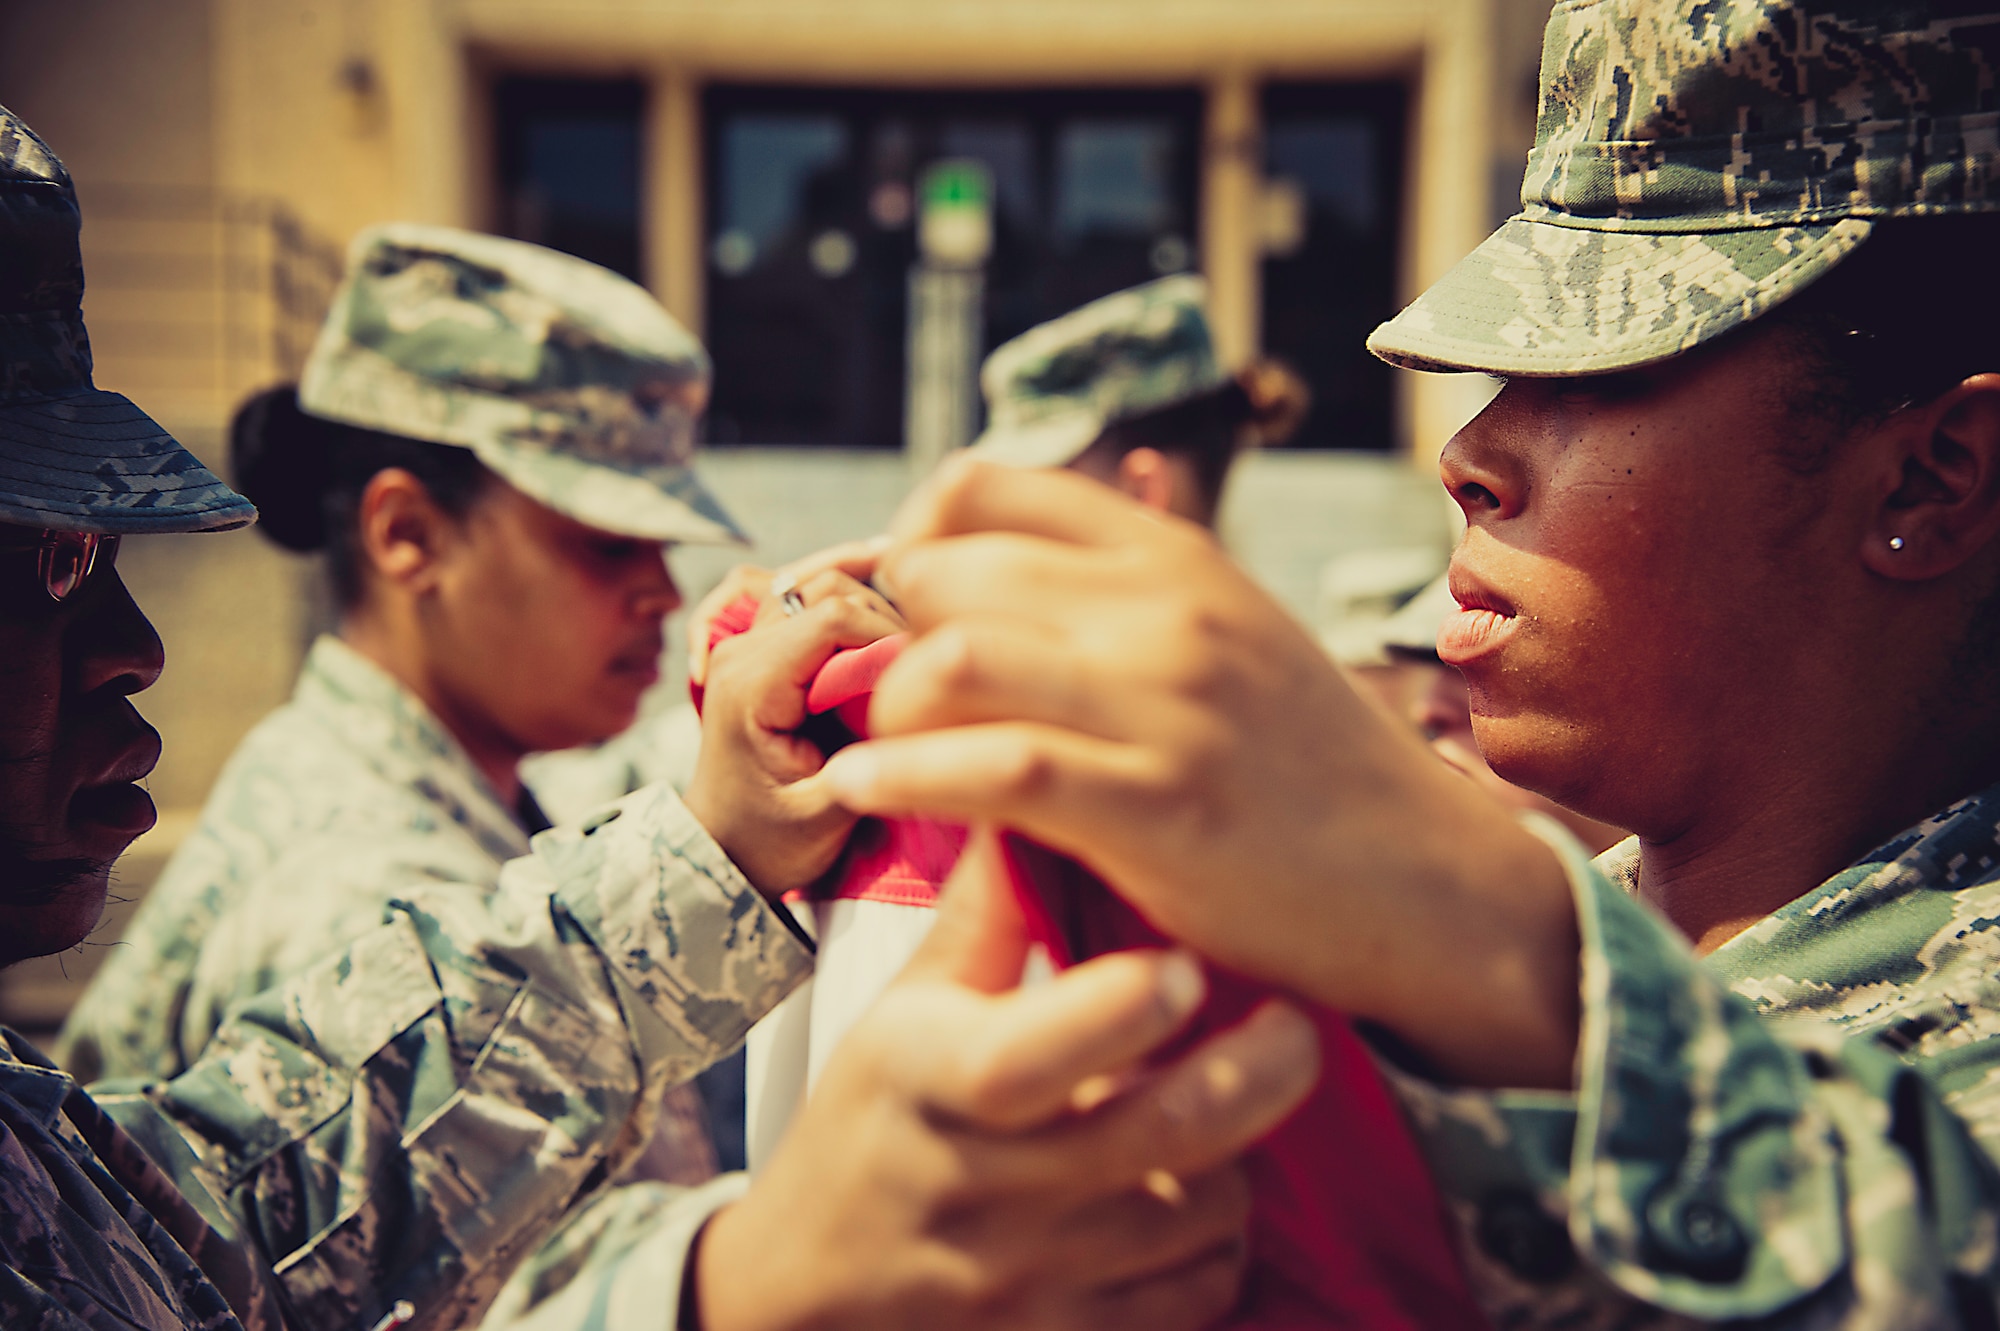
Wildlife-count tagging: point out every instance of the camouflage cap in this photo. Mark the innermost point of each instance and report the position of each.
(1054, 389)
(563, 377)
(1699, 162)
(72, 455)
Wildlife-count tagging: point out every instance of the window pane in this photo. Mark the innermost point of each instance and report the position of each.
(1113, 178)
(1330, 220)
(812, 233)
(569, 166)
(774, 170)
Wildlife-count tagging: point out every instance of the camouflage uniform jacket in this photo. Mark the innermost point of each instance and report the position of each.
(1799, 1130)
(406, 1119)
(332, 805)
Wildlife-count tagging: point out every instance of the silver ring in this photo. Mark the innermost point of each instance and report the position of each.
(786, 589)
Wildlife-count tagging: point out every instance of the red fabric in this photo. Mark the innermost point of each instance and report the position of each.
(1346, 1226)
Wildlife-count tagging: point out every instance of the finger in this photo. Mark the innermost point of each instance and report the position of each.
(980, 939)
(1022, 1064)
(826, 586)
(739, 581)
(1193, 1116)
(857, 559)
(1116, 1240)
(775, 662)
(1066, 790)
(984, 669)
(966, 495)
(1194, 1295)
(1204, 1110)
(1006, 573)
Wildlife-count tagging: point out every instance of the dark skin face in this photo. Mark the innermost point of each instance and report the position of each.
(1670, 628)
(72, 747)
(522, 629)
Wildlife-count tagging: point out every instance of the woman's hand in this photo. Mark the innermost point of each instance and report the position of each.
(757, 785)
(837, 570)
(963, 1163)
(1107, 681)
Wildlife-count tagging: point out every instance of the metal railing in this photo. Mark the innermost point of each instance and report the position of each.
(195, 298)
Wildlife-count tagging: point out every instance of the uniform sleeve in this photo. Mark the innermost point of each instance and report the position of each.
(408, 1119)
(1713, 1165)
(620, 1261)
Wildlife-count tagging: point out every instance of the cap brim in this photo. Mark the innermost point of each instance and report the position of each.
(92, 461)
(1538, 299)
(653, 503)
(1052, 443)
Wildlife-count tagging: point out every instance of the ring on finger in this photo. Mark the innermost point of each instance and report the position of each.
(785, 588)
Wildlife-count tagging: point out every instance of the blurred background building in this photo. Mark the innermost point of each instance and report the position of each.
(761, 165)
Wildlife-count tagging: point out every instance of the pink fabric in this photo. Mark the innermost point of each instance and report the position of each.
(1346, 1226)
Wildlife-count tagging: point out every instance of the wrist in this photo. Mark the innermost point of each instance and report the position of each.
(1503, 1008)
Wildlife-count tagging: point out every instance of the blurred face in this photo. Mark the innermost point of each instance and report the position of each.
(1645, 588)
(72, 749)
(543, 629)
(1433, 699)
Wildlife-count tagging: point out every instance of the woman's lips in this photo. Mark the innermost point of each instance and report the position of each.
(121, 808)
(1472, 632)
(1482, 623)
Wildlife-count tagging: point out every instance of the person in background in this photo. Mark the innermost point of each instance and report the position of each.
(379, 1140)
(493, 447)
(1400, 668)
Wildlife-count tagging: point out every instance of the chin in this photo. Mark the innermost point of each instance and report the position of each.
(56, 925)
(1545, 756)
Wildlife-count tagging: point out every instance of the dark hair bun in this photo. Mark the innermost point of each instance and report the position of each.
(282, 459)
(1278, 399)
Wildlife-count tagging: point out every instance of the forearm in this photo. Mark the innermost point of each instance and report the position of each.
(408, 1119)
(1456, 932)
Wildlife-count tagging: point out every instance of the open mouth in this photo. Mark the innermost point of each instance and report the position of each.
(1482, 623)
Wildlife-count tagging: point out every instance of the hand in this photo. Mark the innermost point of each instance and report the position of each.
(1104, 679)
(756, 785)
(836, 570)
(959, 1164)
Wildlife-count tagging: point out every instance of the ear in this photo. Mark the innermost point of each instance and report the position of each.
(1147, 476)
(1943, 503)
(405, 536)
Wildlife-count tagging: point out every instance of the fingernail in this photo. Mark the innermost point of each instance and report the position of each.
(851, 773)
(875, 545)
(1181, 984)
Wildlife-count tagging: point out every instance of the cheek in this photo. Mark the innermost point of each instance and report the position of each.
(30, 723)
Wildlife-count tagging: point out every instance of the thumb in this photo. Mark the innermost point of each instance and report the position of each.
(980, 939)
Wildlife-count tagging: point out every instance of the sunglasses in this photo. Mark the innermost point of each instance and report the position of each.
(64, 560)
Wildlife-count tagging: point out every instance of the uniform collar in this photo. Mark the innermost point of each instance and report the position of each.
(396, 734)
(29, 1080)
(1825, 935)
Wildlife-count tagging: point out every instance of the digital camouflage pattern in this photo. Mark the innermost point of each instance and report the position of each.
(1698, 162)
(410, 1118)
(77, 457)
(565, 378)
(333, 806)
(1799, 1131)
(1054, 389)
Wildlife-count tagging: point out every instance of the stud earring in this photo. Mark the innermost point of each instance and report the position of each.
(1895, 542)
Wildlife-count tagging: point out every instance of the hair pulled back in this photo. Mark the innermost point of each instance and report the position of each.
(1261, 407)
(306, 476)
(1911, 314)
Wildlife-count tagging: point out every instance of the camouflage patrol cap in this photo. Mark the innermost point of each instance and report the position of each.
(1054, 389)
(73, 456)
(1699, 162)
(566, 379)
